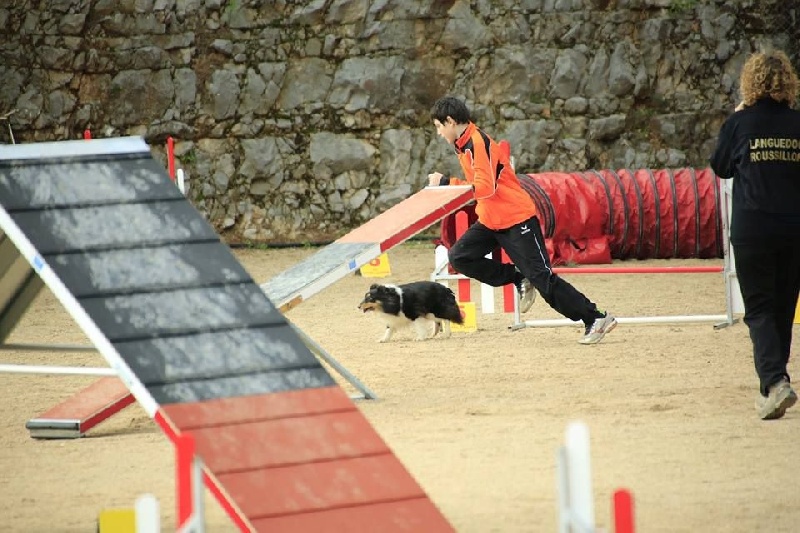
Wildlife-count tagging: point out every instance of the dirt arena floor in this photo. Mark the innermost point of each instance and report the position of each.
(476, 418)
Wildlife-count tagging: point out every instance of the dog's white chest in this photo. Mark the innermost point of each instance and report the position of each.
(394, 321)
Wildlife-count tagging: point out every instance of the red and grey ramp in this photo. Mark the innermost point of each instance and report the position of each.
(199, 344)
(365, 243)
(79, 413)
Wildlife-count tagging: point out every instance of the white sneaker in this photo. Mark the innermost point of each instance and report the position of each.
(598, 329)
(781, 397)
(527, 295)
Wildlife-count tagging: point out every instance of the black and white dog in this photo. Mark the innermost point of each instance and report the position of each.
(420, 303)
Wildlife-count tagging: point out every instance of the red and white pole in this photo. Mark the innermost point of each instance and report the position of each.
(623, 511)
(462, 223)
(171, 157)
(189, 484)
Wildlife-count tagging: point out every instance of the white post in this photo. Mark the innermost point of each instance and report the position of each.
(579, 477)
(487, 299)
(196, 522)
(439, 259)
(487, 295)
(562, 486)
(179, 178)
(148, 514)
(199, 492)
(732, 291)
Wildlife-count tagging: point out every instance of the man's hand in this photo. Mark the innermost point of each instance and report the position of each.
(434, 179)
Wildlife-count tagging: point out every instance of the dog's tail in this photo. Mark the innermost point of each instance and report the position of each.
(453, 312)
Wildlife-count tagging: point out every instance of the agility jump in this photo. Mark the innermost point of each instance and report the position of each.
(623, 214)
(733, 299)
(196, 341)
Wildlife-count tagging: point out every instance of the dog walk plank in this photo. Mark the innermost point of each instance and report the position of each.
(363, 244)
(198, 343)
(410, 216)
(316, 272)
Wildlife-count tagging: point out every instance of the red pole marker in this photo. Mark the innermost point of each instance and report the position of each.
(623, 511)
(508, 290)
(171, 157)
(87, 134)
(462, 222)
(185, 450)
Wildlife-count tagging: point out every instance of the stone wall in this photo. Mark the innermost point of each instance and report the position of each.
(297, 120)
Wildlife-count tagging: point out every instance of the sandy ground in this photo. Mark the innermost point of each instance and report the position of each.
(476, 418)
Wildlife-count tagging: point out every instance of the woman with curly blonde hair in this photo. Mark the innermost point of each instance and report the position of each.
(768, 75)
(759, 147)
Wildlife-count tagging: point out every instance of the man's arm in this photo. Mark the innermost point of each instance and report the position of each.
(436, 179)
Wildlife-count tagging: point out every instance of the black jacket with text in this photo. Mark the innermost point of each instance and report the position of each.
(759, 147)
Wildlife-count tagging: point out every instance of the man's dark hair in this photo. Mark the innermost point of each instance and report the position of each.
(450, 106)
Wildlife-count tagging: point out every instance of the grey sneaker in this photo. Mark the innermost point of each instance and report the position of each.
(527, 295)
(781, 397)
(598, 329)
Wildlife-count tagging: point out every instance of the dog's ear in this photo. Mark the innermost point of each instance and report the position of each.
(373, 286)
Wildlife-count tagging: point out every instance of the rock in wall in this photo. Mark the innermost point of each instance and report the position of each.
(299, 120)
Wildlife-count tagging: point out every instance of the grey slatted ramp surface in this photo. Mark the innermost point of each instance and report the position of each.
(326, 261)
(150, 272)
(364, 243)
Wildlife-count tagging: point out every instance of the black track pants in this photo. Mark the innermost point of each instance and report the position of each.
(769, 278)
(524, 245)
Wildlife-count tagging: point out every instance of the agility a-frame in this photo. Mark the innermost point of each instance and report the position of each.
(83, 411)
(198, 343)
(110, 182)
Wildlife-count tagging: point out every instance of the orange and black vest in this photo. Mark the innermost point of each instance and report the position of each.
(501, 200)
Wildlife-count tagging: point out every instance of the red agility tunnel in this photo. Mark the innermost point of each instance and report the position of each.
(595, 216)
